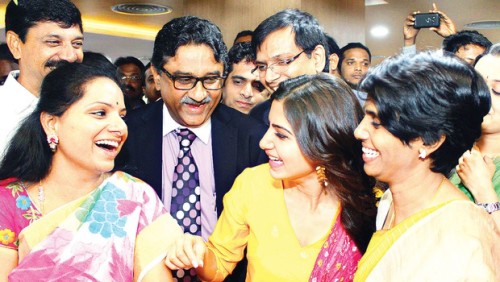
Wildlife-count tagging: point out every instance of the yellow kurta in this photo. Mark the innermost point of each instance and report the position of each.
(255, 216)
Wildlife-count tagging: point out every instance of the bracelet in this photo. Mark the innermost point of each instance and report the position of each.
(490, 207)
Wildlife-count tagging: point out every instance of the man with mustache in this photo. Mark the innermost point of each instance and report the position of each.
(40, 34)
(189, 64)
(130, 72)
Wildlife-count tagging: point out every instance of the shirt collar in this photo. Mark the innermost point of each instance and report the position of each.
(169, 125)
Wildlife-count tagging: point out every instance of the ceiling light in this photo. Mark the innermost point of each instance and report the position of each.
(375, 2)
(141, 9)
(379, 31)
(483, 25)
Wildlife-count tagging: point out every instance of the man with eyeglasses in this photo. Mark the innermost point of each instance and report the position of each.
(288, 44)
(242, 90)
(130, 71)
(40, 34)
(189, 66)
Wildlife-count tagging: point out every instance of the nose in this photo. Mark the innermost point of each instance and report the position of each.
(247, 91)
(357, 66)
(198, 93)
(265, 143)
(118, 126)
(270, 75)
(70, 54)
(360, 132)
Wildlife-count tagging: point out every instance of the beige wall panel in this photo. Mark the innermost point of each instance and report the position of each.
(341, 18)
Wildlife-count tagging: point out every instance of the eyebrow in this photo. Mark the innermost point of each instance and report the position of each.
(238, 77)
(282, 128)
(371, 113)
(181, 73)
(105, 103)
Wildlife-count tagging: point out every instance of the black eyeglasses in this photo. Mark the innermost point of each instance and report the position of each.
(278, 67)
(3, 79)
(189, 82)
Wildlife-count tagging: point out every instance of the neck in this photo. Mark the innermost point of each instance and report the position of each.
(311, 191)
(489, 144)
(32, 85)
(415, 193)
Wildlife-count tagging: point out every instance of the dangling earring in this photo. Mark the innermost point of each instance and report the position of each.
(53, 140)
(422, 154)
(320, 172)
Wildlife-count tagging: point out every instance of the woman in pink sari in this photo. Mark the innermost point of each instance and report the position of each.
(311, 198)
(64, 216)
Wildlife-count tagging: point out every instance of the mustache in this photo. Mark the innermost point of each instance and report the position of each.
(55, 64)
(188, 100)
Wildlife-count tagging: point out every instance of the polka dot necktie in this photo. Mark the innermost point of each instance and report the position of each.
(185, 206)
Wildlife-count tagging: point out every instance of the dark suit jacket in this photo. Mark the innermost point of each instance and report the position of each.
(235, 146)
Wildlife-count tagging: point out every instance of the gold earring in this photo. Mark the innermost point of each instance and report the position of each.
(320, 172)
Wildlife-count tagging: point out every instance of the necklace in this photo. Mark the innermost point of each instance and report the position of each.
(390, 222)
(41, 197)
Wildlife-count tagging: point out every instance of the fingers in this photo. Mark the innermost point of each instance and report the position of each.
(182, 254)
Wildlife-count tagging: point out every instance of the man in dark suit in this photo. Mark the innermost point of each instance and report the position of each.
(189, 66)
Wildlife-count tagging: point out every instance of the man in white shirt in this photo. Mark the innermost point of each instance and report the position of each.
(40, 34)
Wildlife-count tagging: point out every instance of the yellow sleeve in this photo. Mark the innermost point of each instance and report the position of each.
(230, 236)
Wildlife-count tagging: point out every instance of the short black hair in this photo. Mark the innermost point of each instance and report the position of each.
(308, 32)
(240, 52)
(20, 17)
(428, 96)
(130, 60)
(333, 47)
(349, 46)
(184, 31)
(465, 37)
(28, 156)
(242, 33)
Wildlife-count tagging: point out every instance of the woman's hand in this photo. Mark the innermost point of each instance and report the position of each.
(476, 173)
(187, 252)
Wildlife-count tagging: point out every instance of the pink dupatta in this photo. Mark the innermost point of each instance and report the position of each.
(338, 258)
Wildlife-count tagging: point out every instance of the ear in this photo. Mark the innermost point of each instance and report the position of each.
(334, 61)
(14, 43)
(156, 76)
(49, 122)
(430, 148)
(319, 56)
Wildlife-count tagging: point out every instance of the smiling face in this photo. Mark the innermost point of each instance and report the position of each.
(45, 44)
(386, 157)
(280, 144)
(91, 132)
(280, 45)
(190, 108)
(355, 65)
(242, 90)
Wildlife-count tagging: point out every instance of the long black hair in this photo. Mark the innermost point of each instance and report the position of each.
(323, 113)
(28, 156)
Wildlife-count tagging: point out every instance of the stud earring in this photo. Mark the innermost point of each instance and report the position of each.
(53, 140)
(422, 154)
(320, 172)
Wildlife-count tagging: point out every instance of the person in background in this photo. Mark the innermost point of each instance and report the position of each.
(189, 147)
(243, 36)
(311, 198)
(40, 34)
(465, 44)
(333, 59)
(130, 71)
(354, 62)
(423, 112)
(478, 171)
(149, 86)
(7, 63)
(64, 215)
(242, 89)
(288, 44)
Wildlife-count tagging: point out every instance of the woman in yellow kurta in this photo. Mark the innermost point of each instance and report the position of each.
(422, 113)
(311, 198)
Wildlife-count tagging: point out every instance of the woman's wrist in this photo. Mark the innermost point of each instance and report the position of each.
(490, 207)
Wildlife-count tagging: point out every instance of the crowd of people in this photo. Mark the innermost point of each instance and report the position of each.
(257, 163)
